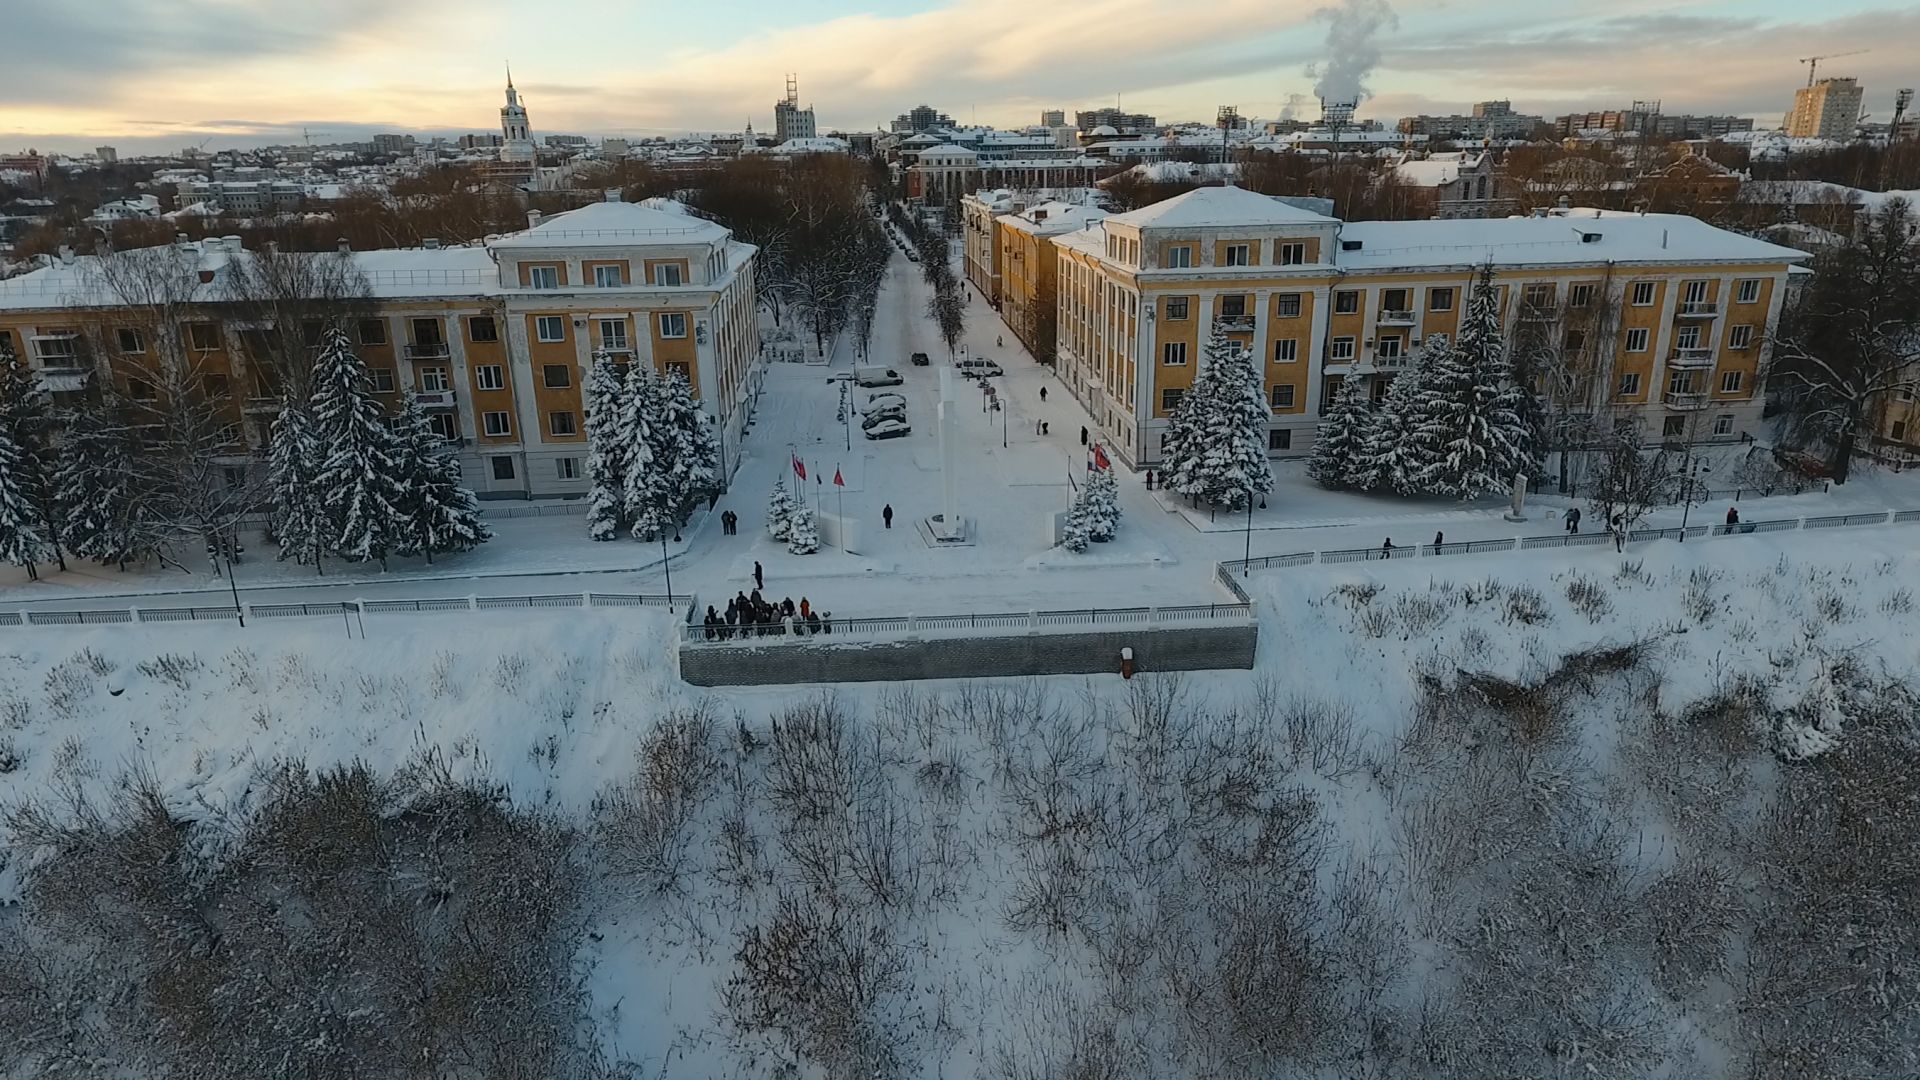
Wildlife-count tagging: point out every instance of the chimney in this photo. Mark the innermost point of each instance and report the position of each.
(431, 243)
(1563, 203)
(180, 238)
(612, 194)
(232, 243)
(343, 246)
(1539, 211)
(1039, 216)
(533, 219)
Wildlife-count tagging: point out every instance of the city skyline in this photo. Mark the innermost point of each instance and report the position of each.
(256, 72)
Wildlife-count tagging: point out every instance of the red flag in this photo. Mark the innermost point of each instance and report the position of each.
(1100, 458)
(799, 468)
(837, 482)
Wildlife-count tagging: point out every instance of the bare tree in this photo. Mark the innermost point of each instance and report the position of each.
(1630, 482)
(289, 300)
(948, 309)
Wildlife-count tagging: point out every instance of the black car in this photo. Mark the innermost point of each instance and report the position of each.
(920, 359)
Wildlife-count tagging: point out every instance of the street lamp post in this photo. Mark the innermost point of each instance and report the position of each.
(1246, 556)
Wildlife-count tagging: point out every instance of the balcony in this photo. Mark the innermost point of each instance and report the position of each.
(1233, 324)
(617, 349)
(1685, 401)
(433, 350)
(1396, 317)
(1698, 309)
(1691, 358)
(1390, 360)
(1537, 313)
(434, 399)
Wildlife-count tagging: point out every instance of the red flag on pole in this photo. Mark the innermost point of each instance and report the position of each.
(1100, 458)
(837, 482)
(799, 468)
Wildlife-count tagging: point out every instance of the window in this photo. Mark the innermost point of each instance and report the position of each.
(1637, 339)
(203, 336)
(1682, 382)
(1170, 398)
(1237, 255)
(382, 379)
(1439, 299)
(433, 380)
(666, 274)
(1576, 340)
(372, 332)
(496, 423)
(442, 425)
(1899, 431)
(1673, 427)
(679, 367)
(1629, 385)
(1283, 396)
(1286, 351)
(1642, 293)
(1723, 424)
(1579, 295)
(560, 423)
(1394, 300)
(1730, 381)
(1176, 308)
(1280, 439)
(566, 468)
(1390, 347)
(141, 390)
(1696, 292)
(613, 334)
(1179, 257)
(673, 324)
(550, 328)
(609, 277)
(1287, 305)
(131, 341)
(1174, 353)
(1687, 338)
(214, 386)
(1740, 337)
(490, 377)
(1293, 254)
(556, 376)
(502, 467)
(310, 333)
(1346, 302)
(1233, 306)
(543, 277)
(1342, 348)
(1750, 291)
(1537, 296)
(481, 328)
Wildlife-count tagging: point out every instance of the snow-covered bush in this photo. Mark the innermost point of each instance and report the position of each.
(803, 536)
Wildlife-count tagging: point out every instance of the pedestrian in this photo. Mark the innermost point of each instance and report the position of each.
(759, 578)
(1046, 427)
(786, 606)
(755, 602)
(1733, 515)
(1083, 435)
(1386, 549)
(1000, 340)
(733, 523)
(1149, 479)
(806, 609)
(826, 622)
(1043, 395)
(886, 514)
(1439, 541)
(1619, 530)
(712, 623)
(813, 623)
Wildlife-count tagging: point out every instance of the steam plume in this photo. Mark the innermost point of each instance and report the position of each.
(1352, 52)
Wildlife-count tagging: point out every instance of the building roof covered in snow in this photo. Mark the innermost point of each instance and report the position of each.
(1053, 217)
(1437, 170)
(605, 224)
(1579, 237)
(1215, 206)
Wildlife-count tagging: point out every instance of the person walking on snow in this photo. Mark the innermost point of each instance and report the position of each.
(1083, 435)
(806, 609)
(759, 578)
(1573, 520)
(1386, 549)
(886, 514)
(1043, 395)
(1733, 515)
(1439, 540)
(1149, 479)
(1000, 340)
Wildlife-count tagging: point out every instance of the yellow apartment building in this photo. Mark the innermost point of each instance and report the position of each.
(494, 339)
(1666, 318)
(1028, 269)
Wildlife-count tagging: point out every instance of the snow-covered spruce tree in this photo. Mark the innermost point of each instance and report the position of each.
(104, 518)
(1223, 444)
(1077, 532)
(1475, 441)
(779, 508)
(359, 492)
(685, 455)
(1102, 495)
(606, 406)
(25, 417)
(803, 537)
(441, 513)
(647, 496)
(1339, 447)
(23, 541)
(293, 469)
(1390, 455)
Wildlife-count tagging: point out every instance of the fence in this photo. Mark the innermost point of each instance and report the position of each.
(1242, 567)
(994, 623)
(426, 605)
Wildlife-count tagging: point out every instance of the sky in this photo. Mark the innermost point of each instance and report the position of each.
(147, 76)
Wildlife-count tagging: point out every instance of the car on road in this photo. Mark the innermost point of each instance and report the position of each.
(978, 368)
(920, 359)
(885, 416)
(876, 376)
(877, 402)
(888, 429)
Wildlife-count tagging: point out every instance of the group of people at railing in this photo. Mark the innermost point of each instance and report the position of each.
(754, 616)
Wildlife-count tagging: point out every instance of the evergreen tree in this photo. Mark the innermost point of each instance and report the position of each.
(780, 506)
(1223, 434)
(105, 519)
(606, 405)
(1390, 455)
(26, 420)
(1339, 447)
(293, 470)
(646, 498)
(1102, 496)
(803, 538)
(1077, 532)
(1470, 434)
(441, 513)
(359, 492)
(23, 540)
(684, 451)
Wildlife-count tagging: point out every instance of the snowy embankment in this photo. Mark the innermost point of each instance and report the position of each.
(1570, 815)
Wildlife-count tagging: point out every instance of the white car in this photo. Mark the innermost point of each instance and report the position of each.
(884, 416)
(888, 429)
(880, 402)
(977, 368)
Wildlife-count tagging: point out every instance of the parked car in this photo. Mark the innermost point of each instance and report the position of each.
(876, 376)
(878, 402)
(885, 416)
(978, 368)
(888, 429)
(920, 359)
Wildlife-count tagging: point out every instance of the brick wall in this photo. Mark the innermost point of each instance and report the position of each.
(1197, 648)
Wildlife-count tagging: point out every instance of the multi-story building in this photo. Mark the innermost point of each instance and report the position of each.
(1665, 319)
(979, 238)
(390, 144)
(920, 118)
(1029, 269)
(495, 340)
(1053, 118)
(1829, 109)
(1123, 123)
(1490, 120)
(790, 121)
(1463, 184)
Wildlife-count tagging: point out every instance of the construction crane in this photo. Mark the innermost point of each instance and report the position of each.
(1813, 62)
